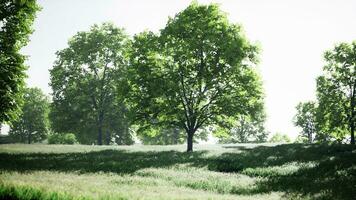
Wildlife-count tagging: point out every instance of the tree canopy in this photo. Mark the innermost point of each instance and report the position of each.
(197, 72)
(245, 130)
(32, 125)
(336, 92)
(306, 119)
(16, 18)
(333, 116)
(86, 86)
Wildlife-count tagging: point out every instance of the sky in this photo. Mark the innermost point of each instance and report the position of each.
(292, 34)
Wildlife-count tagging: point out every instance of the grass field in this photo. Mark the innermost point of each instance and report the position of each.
(289, 171)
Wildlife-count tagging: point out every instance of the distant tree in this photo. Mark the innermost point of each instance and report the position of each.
(62, 138)
(32, 125)
(306, 119)
(246, 130)
(196, 73)
(278, 137)
(161, 136)
(336, 92)
(86, 86)
(16, 18)
(168, 135)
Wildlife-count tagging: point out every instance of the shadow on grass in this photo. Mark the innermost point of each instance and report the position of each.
(331, 173)
(116, 161)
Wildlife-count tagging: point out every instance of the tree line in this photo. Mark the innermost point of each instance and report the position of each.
(198, 75)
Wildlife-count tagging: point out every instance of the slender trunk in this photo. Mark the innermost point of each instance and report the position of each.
(107, 137)
(353, 133)
(352, 114)
(100, 128)
(29, 138)
(310, 138)
(100, 135)
(190, 141)
(175, 135)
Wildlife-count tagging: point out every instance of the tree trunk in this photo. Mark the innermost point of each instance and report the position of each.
(353, 133)
(310, 138)
(108, 138)
(175, 135)
(352, 114)
(29, 138)
(100, 135)
(100, 129)
(190, 141)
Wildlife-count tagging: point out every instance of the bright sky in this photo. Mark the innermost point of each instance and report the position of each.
(292, 34)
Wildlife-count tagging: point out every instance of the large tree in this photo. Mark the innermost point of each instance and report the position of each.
(16, 18)
(32, 125)
(86, 86)
(336, 92)
(198, 72)
(306, 119)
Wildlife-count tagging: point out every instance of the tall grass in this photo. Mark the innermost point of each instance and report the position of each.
(291, 171)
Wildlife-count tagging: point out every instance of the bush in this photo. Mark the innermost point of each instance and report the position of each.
(62, 138)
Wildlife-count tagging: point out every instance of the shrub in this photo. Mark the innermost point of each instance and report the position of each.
(62, 138)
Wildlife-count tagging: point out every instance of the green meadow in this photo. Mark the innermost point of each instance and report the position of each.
(265, 171)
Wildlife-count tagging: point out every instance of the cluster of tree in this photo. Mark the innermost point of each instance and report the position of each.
(333, 115)
(197, 74)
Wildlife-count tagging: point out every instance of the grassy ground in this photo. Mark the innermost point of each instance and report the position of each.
(291, 171)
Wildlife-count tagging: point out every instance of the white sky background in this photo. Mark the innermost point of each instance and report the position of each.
(293, 36)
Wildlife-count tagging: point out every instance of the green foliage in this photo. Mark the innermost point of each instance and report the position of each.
(62, 138)
(196, 73)
(301, 139)
(32, 125)
(334, 117)
(306, 119)
(290, 171)
(16, 19)
(280, 138)
(246, 130)
(161, 136)
(27, 193)
(336, 90)
(86, 83)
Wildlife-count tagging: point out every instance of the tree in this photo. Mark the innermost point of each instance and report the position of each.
(336, 91)
(86, 86)
(32, 125)
(246, 130)
(161, 136)
(198, 72)
(279, 137)
(306, 119)
(16, 18)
